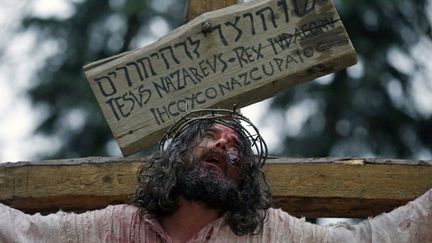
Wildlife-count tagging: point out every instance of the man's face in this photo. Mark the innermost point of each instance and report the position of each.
(212, 172)
(219, 150)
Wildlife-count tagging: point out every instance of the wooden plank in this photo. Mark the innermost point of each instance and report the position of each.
(237, 55)
(345, 190)
(194, 8)
(338, 187)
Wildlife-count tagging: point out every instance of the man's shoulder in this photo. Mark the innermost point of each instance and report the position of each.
(277, 211)
(124, 209)
(278, 215)
(123, 206)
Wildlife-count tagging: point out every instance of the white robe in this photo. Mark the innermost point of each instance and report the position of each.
(124, 223)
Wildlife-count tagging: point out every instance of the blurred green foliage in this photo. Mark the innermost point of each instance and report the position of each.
(97, 29)
(369, 110)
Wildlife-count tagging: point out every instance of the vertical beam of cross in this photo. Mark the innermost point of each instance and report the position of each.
(195, 8)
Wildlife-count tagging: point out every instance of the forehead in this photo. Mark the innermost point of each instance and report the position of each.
(222, 129)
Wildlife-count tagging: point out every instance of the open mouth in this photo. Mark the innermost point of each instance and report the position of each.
(215, 162)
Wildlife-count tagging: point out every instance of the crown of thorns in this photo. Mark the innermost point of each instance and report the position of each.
(222, 116)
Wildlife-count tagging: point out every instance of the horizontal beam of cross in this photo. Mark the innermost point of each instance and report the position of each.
(329, 187)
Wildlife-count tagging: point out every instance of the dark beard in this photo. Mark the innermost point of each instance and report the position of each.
(208, 186)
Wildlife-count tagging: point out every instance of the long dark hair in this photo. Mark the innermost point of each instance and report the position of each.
(157, 191)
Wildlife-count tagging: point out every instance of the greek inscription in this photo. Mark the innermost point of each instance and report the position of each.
(163, 113)
(268, 70)
(253, 75)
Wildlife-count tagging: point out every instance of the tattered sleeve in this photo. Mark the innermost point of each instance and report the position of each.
(16, 226)
(95, 226)
(282, 227)
(409, 223)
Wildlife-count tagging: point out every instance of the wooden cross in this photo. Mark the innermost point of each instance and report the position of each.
(338, 187)
(195, 8)
(330, 187)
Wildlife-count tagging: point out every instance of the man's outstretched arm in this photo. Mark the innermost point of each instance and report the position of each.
(15, 226)
(408, 223)
(93, 226)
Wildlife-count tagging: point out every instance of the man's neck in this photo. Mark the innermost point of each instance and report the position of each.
(188, 220)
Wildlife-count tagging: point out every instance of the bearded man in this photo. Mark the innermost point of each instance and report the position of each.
(205, 185)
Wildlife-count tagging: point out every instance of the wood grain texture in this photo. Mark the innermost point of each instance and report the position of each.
(194, 8)
(237, 55)
(303, 187)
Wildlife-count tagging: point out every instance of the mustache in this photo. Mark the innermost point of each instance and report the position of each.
(228, 157)
(208, 152)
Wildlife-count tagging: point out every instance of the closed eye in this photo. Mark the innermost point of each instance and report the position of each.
(209, 135)
(235, 149)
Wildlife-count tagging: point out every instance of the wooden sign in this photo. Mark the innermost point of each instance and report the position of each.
(237, 55)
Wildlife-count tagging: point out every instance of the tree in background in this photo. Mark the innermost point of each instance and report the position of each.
(382, 107)
(97, 29)
(370, 110)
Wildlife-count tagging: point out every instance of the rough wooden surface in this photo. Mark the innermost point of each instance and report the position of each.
(237, 55)
(339, 187)
(194, 8)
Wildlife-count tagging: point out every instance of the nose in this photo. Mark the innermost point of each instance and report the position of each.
(221, 143)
